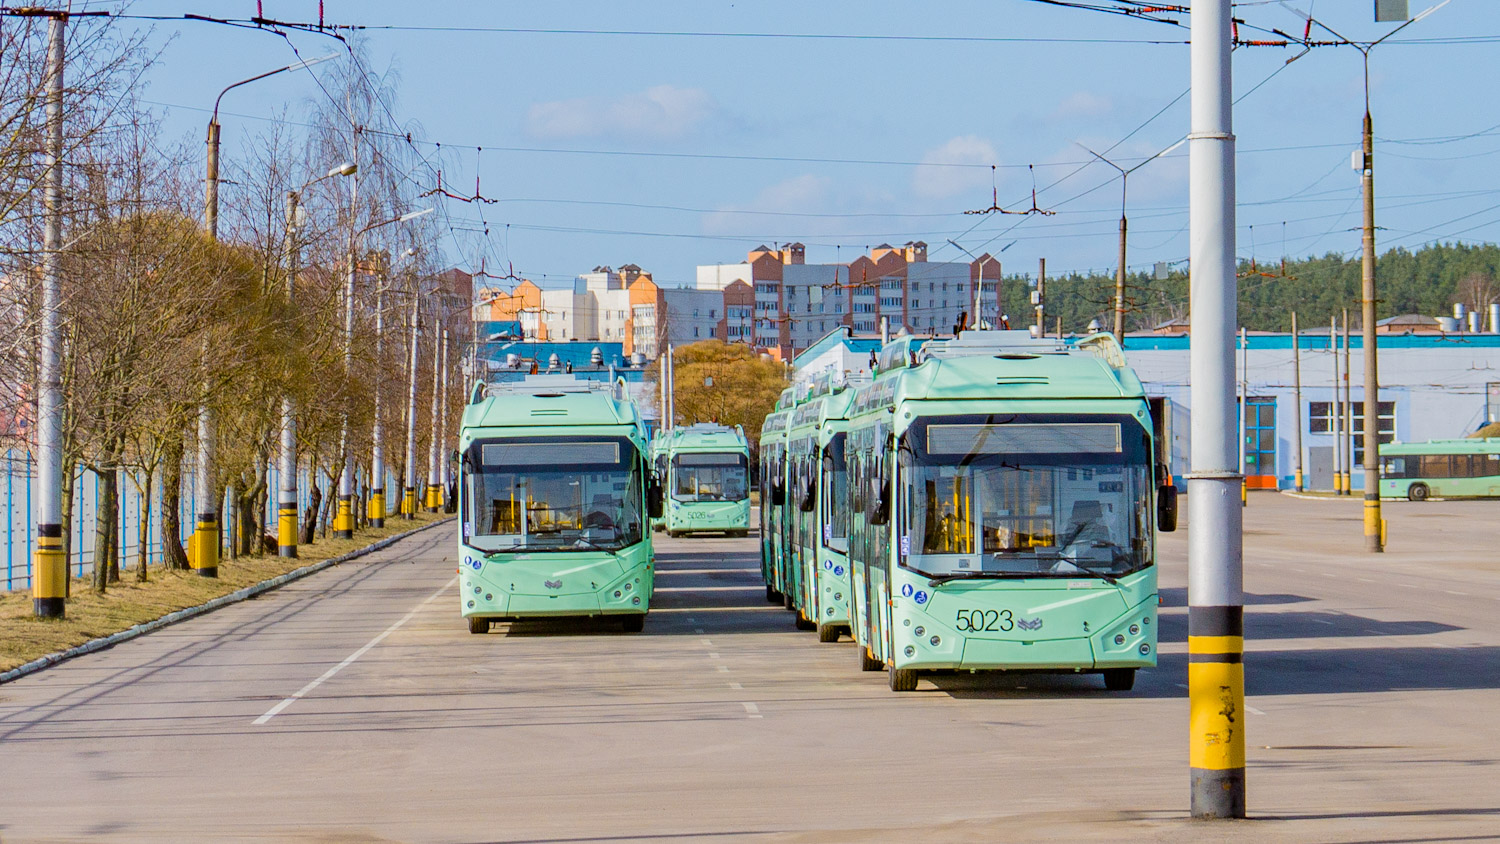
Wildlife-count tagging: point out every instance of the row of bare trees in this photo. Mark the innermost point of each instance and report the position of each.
(159, 317)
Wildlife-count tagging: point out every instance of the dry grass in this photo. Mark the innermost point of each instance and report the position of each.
(24, 637)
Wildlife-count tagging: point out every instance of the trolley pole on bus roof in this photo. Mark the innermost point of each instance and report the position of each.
(1216, 678)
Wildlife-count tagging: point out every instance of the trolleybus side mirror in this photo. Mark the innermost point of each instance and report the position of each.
(778, 493)
(653, 499)
(1166, 508)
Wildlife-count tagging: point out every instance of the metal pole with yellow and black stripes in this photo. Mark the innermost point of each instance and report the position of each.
(1216, 678)
(286, 494)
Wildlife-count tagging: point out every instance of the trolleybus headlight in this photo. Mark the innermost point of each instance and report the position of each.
(1146, 620)
(1145, 649)
(838, 596)
(935, 640)
(1120, 638)
(830, 612)
(627, 587)
(1134, 629)
(920, 631)
(478, 589)
(910, 651)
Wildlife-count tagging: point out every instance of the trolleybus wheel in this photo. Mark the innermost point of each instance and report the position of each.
(1119, 679)
(786, 601)
(805, 623)
(674, 534)
(868, 662)
(903, 679)
(479, 625)
(738, 534)
(829, 633)
(772, 596)
(634, 623)
(1418, 492)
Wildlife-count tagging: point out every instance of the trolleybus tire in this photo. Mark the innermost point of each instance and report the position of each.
(738, 534)
(1417, 492)
(786, 601)
(903, 679)
(634, 623)
(805, 623)
(479, 625)
(868, 662)
(674, 534)
(772, 596)
(1119, 679)
(829, 632)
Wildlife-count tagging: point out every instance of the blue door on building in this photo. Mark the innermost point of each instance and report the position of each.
(1260, 442)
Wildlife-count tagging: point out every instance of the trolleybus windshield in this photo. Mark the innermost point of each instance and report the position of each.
(1027, 497)
(710, 476)
(553, 494)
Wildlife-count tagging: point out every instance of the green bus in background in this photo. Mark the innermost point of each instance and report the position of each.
(554, 491)
(772, 460)
(1468, 468)
(707, 479)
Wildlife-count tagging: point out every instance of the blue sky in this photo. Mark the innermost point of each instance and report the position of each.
(858, 101)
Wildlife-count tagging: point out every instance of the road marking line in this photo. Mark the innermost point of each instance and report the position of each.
(1364, 580)
(713, 656)
(1253, 711)
(724, 668)
(735, 686)
(708, 643)
(302, 692)
(1452, 592)
(751, 709)
(752, 588)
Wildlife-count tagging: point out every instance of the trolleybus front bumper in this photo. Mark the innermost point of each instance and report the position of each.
(517, 586)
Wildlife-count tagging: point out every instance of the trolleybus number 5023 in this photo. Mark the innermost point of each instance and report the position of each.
(982, 621)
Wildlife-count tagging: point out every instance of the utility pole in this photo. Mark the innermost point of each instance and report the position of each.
(1297, 388)
(1347, 442)
(376, 513)
(286, 497)
(1216, 677)
(1039, 297)
(1336, 409)
(343, 519)
(409, 485)
(433, 500)
(49, 565)
(443, 419)
(1374, 542)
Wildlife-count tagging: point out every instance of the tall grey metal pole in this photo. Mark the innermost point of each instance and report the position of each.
(442, 431)
(1347, 442)
(205, 541)
(1336, 409)
(1297, 390)
(433, 502)
(343, 521)
(49, 564)
(377, 451)
(409, 483)
(286, 496)
(1216, 679)
(1120, 273)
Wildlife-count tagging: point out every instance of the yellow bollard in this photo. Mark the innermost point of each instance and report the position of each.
(1216, 698)
(49, 570)
(343, 520)
(377, 507)
(203, 546)
(286, 530)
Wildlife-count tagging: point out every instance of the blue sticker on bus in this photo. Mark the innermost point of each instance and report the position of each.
(920, 597)
(828, 564)
(838, 570)
(906, 590)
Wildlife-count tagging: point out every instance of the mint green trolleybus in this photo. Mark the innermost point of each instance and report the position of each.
(817, 511)
(707, 481)
(772, 463)
(554, 493)
(1467, 468)
(1003, 509)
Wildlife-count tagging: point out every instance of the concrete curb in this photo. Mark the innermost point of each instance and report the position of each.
(206, 607)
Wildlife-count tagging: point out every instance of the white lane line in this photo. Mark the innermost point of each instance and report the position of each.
(1252, 710)
(754, 588)
(302, 692)
(713, 656)
(708, 643)
(751, 709)
(1453, 592)
(1364, 580)
(735, 686)
(724, 668)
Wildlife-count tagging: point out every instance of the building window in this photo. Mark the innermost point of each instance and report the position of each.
(695, 331)
(710, 313)
(1320, 421)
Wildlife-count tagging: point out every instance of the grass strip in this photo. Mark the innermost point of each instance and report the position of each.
(25, 638)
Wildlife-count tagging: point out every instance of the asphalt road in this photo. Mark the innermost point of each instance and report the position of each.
(355, 706)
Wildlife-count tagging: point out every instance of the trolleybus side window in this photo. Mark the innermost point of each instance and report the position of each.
(835, 494)
(554, 495)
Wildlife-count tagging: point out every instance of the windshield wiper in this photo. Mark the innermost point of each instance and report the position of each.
(940, 579)
(1074, 562)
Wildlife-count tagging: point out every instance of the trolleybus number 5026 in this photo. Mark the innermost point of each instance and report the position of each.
(981, 621)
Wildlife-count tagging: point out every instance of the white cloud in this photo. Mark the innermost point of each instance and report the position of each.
(805, 194)
(657, 113)
(935, 181)
(1080, 105)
